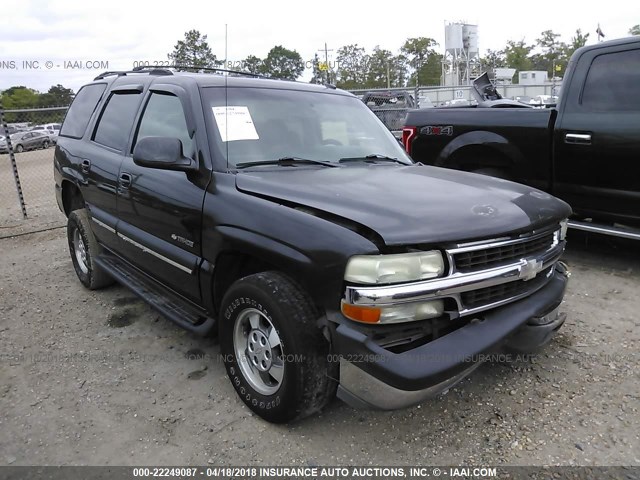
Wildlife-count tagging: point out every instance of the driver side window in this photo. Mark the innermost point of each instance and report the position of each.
(164, 117)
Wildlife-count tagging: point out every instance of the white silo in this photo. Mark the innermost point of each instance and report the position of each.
(453, 35)
(470, 40)
(460, 63)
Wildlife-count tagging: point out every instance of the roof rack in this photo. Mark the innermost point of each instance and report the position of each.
(152, 70)
(165, 70)
(223, 70)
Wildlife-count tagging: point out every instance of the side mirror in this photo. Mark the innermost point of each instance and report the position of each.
(163, 153)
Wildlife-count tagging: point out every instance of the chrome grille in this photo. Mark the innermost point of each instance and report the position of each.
(499, 293)
(490, 256)
(497, 272)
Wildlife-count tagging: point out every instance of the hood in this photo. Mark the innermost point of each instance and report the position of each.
(411, 204)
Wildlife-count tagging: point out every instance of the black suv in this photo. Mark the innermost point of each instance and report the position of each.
(285, 218)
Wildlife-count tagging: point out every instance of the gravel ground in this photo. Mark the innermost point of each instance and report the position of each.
(98, 378)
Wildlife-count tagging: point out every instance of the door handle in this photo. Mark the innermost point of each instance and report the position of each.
(579, 138)
(85, 166)
(125, 180)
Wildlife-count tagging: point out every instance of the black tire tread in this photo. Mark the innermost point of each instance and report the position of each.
(97, 278)
(319, 375)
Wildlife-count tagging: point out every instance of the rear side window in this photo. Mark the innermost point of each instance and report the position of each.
(164, 117)
(80, 111)
(116, 120)
(613, 83)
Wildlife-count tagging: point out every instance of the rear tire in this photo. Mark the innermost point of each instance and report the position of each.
(276, 356)
(84, 249)
(45, 144)
(19, 148)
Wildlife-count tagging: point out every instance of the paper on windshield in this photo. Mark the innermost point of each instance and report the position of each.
(235, 123)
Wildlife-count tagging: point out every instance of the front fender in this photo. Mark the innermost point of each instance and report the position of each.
(312, 250)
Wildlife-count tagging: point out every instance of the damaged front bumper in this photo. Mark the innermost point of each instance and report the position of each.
(386, 380)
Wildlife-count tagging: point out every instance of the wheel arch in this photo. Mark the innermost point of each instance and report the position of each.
(480, 149)
(256, 252)
(232, 265)
(72, 198)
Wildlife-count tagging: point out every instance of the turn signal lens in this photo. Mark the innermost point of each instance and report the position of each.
(361, 314)
(404, 312)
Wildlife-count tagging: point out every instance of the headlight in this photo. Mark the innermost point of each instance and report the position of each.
(564, 224)
(403, 267)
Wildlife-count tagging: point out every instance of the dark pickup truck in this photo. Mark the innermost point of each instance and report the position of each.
(585, 151)
(286, 219)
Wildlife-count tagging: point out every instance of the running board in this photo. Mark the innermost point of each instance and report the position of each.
(606, 230)
(159, 297)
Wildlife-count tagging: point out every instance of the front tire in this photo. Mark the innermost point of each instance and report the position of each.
(84, 249)
(45, 144)
(276, 356)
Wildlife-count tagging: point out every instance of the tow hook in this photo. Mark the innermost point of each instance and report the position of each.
(563, 268)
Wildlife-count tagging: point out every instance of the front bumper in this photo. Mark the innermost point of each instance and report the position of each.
(381, 379)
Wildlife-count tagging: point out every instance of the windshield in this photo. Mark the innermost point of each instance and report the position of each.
(266, 124)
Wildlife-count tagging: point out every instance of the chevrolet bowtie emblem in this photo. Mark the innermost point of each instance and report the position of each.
(530, 269)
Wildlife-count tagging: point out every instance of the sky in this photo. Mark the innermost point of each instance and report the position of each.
(69, 42)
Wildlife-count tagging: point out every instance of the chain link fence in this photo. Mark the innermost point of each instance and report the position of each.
(391, 105)
(27, 194)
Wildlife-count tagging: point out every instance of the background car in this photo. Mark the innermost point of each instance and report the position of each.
(52, 128)
(522, 99)
(30, 140)
(51, 133)
(544, 100)
(390, 107)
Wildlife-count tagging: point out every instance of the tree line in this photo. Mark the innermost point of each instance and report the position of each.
(416, 63)
(19, 97)
(353, 67)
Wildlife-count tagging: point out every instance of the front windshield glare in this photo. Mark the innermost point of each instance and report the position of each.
(266, 124)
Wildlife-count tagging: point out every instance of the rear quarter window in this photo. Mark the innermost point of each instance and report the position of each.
(80, 111)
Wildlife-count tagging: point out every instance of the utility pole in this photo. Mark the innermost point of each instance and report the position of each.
(326, 61)
(388, 79)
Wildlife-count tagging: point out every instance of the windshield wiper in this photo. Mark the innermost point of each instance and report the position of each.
(287, 162)
(373, 156)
